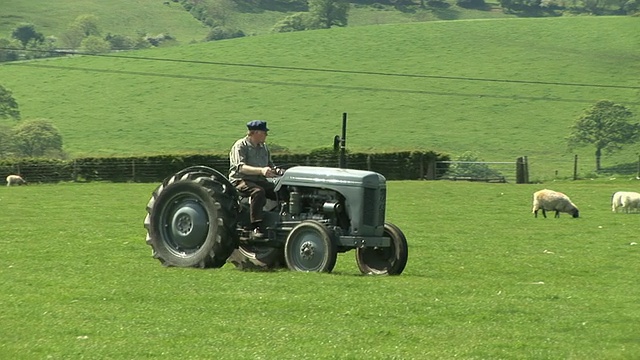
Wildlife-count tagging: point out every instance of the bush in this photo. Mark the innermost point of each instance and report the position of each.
(120, 42)
(295, 22)
(159, 39)
(221, 33)
(94, 44)
(9, 50)
(470, 165)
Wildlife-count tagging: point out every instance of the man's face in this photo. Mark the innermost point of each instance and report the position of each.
(260, 136)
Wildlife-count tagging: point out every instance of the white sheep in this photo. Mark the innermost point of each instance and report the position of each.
(15, 180)
(553, 201)
(627, 200)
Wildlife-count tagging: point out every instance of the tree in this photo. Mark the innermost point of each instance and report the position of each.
(41, 49)
(9, 50)
(221, 11)
(631, 6)
(6, 141)
(87, 24)
(8, 105)
(294, 22)
(326, 13)
(72, 37)
(25, 33)
(36, 138)
(95, 45)
(83, 26)
(606, 126)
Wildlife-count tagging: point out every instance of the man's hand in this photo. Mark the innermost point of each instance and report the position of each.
(268, 172)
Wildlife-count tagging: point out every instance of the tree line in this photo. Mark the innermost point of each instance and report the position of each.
(82, 35)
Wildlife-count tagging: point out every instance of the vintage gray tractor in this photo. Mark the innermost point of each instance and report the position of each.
(196, 218)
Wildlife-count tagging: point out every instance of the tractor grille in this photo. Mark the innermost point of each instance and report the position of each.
(382, 202)
(370, 207)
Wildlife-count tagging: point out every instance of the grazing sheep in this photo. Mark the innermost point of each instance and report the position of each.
(627, 200)
(553, 201)
(15, 180)
(616, 200)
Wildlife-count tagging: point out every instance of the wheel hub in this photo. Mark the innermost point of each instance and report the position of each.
(184, 225)
(307, 250)
(189, 227)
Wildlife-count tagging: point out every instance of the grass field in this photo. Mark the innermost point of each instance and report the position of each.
(122, 17)
(503, 88)
(52, 18)
(485, 280)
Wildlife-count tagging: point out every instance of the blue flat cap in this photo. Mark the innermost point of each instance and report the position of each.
(257, 125)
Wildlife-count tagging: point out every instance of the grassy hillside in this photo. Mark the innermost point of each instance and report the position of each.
(153, 17)
(115, 16)
(503, 88)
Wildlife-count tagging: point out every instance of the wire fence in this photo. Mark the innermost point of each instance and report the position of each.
(394, 168)
(488, 171)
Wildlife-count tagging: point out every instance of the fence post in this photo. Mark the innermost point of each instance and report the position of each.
(133, 169)
(575, 167)
(431, 169)
(369, 162)
(74, 173)
(520, 170)
(638, 171)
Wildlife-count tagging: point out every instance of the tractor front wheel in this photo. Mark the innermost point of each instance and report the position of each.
(385, 260)
(310, 247)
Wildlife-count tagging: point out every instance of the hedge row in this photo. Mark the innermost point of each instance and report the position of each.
(394, 166)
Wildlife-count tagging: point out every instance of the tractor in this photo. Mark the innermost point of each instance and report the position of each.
(197, 218)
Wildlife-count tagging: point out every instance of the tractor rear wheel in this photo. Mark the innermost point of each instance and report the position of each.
(191, 219)
(310, 247)
(385, 260)
(257, 257)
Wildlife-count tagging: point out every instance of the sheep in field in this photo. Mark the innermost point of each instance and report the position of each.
(549, 200)
(627, 200)
(15, 180)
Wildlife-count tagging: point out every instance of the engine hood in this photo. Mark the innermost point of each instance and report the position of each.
(330, 177)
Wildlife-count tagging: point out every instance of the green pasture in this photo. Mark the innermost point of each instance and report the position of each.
(502, 88)
(484, 280)
(52, 18)
(122, 17)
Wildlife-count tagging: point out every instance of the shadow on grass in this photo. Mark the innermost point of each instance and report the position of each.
(627, 169)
